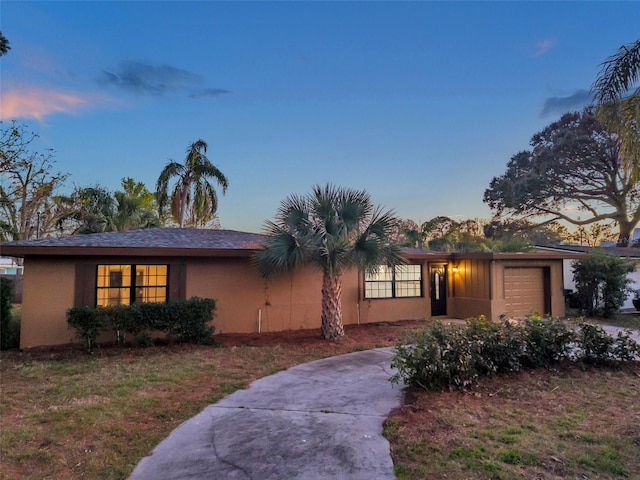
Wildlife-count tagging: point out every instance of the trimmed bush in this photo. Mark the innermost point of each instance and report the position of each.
(191, 320)
(441, 357)
(184, 321)
(497, 347)
(88, 322)
(435, 358)
(546, 341)
(597, 347)
(9, 329)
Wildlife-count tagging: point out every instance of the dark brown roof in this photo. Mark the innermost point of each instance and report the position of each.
(625, 252)
(152, 241)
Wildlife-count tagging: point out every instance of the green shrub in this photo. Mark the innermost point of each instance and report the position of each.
(9, 330)
(602, 283)
(441, 357)
(546, 341)
(184, 321)
(88, 323)
(191, 320)
(121, 321)
(435, 358)
(597, 347)
(497, 347)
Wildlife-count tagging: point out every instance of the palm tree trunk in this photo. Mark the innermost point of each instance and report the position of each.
(183, 203)
(332, 327)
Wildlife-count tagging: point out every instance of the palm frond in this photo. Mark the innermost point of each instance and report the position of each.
(281, 253)
(618, 74)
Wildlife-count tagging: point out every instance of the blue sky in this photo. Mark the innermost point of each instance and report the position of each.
(420, 103)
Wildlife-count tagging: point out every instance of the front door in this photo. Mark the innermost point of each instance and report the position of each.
(438, 275)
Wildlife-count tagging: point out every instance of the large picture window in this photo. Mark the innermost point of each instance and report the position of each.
(125, 284)
(402, 281)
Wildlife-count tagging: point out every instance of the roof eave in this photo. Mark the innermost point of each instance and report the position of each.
(24, 251)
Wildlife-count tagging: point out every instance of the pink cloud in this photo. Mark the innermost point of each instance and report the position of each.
(34, 102)
(543, 46)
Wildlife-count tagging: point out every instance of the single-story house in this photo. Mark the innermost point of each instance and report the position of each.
(164, 264)
(632, 254)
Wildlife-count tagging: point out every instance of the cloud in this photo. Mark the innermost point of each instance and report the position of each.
(208, 92)
(573, 102)
(543, 46)
(35, 102)
(144, 78)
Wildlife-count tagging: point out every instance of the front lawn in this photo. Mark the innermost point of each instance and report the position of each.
(67, 414)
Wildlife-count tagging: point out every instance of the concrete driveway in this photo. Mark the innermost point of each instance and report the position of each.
(319, 420)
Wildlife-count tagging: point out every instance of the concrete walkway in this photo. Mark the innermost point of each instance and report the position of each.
(319, 420)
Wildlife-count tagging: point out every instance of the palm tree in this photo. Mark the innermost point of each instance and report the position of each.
(618, 74)
(616, 106)
(193, 200)
(135, 207)
(333, 229)
(4, 45)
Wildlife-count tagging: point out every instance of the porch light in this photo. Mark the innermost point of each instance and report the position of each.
(454, 269)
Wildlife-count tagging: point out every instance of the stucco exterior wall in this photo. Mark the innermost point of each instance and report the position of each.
(286, 302)
(48, 293)
(246, 302)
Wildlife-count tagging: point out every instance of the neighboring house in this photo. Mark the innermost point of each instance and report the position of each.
(171, 263)
(632, 254)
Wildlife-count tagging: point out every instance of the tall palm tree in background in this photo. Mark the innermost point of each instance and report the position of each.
(334, 229)
(193, 200)
(616, 105)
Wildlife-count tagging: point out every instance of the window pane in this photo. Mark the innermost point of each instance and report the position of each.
(378, 290)
(408, 289)
(114, 284)
(384, 273)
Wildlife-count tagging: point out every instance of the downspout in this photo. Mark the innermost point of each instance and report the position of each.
(259, 320)
(360, 292)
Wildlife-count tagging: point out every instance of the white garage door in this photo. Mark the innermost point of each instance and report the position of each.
(523, 291)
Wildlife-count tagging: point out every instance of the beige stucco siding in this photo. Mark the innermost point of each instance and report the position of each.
(286, 302)
(48, 294)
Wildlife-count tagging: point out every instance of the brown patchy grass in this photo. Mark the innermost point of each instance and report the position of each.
(67, 414)
(545, 424)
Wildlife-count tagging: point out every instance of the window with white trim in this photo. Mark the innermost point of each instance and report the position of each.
(401, 281)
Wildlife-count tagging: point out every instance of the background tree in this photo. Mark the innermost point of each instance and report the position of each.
(594, 236)
(506, 230)
(95, 209)
(136, 207)
(334, 229)
(88, 210)
(28, 186)
(572, 173)
(193, 199)
(602, 283)
(4, 45)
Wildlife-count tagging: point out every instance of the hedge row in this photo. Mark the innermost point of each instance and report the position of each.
(442, 356)
(9, 327)
(184, 320)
